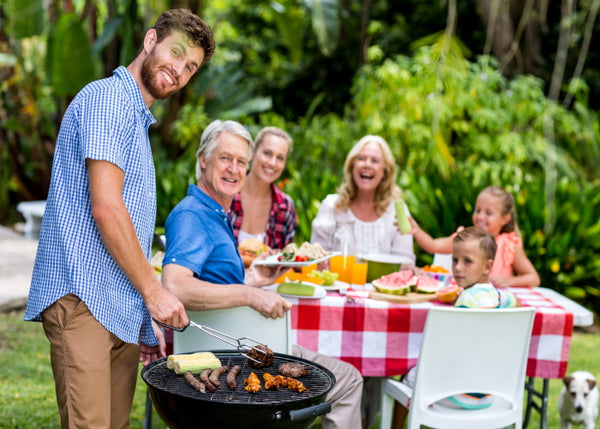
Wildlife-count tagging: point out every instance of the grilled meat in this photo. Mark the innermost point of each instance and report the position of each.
(252, 383)
(232, 375)
(215, 374)
(291, 369)
(264, 359)
(204, 379)
(194, 382)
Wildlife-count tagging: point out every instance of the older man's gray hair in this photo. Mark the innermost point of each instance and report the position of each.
(208, 141)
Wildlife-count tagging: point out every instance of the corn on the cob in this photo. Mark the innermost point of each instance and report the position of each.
(188, 356)
(194, 363)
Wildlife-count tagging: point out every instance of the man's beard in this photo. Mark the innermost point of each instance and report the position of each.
(150, 69)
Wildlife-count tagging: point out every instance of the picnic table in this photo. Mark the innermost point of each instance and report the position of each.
(381, 338)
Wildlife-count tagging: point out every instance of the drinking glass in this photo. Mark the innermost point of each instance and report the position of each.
(343, 266)
(358, 275)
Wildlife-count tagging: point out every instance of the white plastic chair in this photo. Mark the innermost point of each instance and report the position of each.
(443, 260)
(466, 350)
(236, 322)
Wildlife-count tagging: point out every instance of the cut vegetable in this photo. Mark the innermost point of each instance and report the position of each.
(195, 362)
(296, 289)
(188, 356)
(403, 223)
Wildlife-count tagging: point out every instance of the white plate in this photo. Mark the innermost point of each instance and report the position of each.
(338, 285)
(320, 292)
(272, 261)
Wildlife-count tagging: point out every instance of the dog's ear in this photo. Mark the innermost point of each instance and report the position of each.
(567, 379)
(591, 383)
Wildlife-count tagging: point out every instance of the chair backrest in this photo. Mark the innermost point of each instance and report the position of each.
(443, 260)
(236, 322)
(472, 350)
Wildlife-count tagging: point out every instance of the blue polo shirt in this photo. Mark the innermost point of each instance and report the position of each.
(107, 120)
(200, 238)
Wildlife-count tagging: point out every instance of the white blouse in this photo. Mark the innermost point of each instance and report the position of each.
(242, 235)
(379, 236)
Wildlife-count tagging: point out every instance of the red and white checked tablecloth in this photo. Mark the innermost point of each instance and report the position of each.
(383, 339)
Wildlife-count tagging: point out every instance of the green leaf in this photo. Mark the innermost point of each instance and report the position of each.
(71, 63)
(110, 30)
(25, 18)
(290, 26)
(325, 23)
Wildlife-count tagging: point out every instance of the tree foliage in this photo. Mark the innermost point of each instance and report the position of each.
(330, 71)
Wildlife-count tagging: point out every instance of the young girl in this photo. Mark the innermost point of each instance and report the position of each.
(494, 212)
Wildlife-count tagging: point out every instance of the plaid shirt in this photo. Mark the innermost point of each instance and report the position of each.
(108, 120)
(282, 220)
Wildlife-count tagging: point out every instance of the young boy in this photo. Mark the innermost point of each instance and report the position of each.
(473, 251)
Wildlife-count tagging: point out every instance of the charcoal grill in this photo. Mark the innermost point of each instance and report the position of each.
(182, 407)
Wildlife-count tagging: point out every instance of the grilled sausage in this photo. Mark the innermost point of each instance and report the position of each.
(290, 369)
(214, 376)
(232, 375)
(194, 382)
(204, 379)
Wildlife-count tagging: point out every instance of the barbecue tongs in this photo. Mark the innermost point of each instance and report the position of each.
(238, 343)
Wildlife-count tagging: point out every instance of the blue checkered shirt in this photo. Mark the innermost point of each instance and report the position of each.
(106, 121)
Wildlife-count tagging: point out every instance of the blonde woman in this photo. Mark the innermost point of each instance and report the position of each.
(366, 199)
(261, 210)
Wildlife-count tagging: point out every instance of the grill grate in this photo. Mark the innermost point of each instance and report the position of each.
(317, 380)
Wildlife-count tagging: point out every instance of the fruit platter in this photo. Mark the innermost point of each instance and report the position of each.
(406, 287)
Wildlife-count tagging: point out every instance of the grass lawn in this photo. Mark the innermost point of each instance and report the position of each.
(27, 386)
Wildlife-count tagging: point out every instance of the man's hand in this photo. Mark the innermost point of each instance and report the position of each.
(148, 353)
(263, 275)
(151, 353)
(165, 307)
(269, 304)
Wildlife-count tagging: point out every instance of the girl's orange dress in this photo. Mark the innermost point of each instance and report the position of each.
(505, 254)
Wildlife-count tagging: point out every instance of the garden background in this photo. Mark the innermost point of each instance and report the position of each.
(460, 110)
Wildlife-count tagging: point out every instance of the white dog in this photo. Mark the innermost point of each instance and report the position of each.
(578, 401)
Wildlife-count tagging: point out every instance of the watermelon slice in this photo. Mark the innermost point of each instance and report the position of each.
(397, 283)
(426, 284)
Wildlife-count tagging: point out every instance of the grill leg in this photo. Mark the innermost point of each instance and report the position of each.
(148, 412)
(542, 407)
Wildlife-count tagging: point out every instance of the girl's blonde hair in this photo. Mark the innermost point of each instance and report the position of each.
(507, 203)
(386, 191)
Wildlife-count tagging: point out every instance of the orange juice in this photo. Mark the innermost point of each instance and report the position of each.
(282, 278)
(359, 273)
(343, 266)
(309, 269)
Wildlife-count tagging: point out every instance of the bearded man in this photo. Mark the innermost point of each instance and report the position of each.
(93, 287)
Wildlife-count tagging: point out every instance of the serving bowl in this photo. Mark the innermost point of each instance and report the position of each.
(381, 264)
(442, 277)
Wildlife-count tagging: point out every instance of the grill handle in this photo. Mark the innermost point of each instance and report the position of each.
(305, 413)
